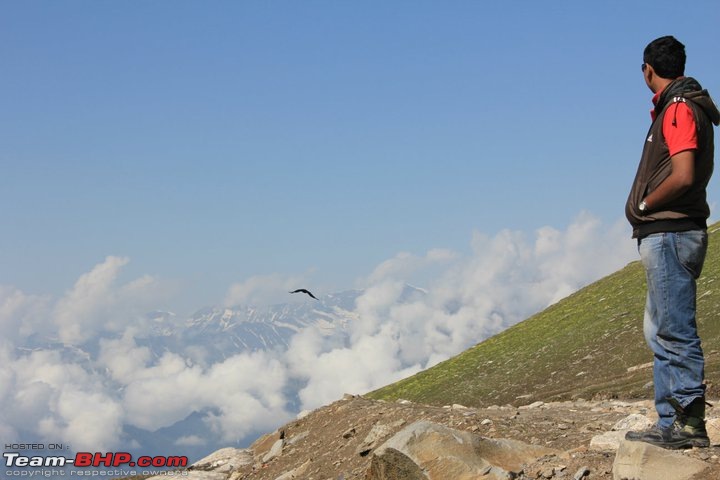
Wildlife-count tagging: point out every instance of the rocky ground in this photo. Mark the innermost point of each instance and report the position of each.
(337, 442)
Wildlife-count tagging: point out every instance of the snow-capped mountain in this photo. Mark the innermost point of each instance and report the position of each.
(207, 338)
(213, 334)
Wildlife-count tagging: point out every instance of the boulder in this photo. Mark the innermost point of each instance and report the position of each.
(633, 421)
(607, 442)
(642, 461)
(610, 441)
(216, 466)
(264, 444)
(224, 460)
(428, 451)
(275, 451)
(713, 429)
(377, 434)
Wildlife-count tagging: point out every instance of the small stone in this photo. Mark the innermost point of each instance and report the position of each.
(299, 437)
(644, 366)
(581, 473)
(532, 406)
(486, 422)
(548, 473)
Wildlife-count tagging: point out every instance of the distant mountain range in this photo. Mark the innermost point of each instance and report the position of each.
(212, 335)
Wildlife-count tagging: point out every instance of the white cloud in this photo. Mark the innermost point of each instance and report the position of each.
(245, 389)
(122, 357)
(264, 290)
(404, 265)
(96, 304)
(70, 396)
(62, 402)
(91, 419)
(21, 314)
(191, 441)
(77, 314)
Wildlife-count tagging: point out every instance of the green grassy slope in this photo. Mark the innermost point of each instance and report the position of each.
(584, 346)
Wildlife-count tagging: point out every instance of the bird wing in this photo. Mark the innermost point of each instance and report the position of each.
(302, 290)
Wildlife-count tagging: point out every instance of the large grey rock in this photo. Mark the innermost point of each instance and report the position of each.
(610, 441)
(428, 451)
(607, 442)
(224, 460)
(377, 434)
(634, 421)
(262, 446)
(216, 466)
(713, 429)
(642, 461)
(275, 451)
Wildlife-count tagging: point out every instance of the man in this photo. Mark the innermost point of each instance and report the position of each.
(668, 211)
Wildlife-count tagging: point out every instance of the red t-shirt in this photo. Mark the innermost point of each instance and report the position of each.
(679, 127)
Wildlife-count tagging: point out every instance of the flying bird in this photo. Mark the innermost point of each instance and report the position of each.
(302, 290)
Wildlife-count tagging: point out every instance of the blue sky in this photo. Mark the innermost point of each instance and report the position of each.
(213, 142)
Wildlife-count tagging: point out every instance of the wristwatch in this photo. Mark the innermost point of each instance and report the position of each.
(643, 206)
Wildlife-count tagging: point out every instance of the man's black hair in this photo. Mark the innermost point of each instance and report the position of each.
(667, 57)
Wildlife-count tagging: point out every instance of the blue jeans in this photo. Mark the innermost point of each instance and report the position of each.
(673, 261)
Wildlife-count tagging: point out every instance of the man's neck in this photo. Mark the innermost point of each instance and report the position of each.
(660, 84)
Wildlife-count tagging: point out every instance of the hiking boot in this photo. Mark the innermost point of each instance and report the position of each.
(687, 431)
(653, 432)
(672, 437)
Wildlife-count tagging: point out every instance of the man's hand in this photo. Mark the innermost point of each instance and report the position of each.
(680, 179)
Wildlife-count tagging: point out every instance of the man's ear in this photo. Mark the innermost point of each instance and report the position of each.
(649, 74)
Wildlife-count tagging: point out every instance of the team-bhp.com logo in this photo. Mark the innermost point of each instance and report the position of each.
(97, 459)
